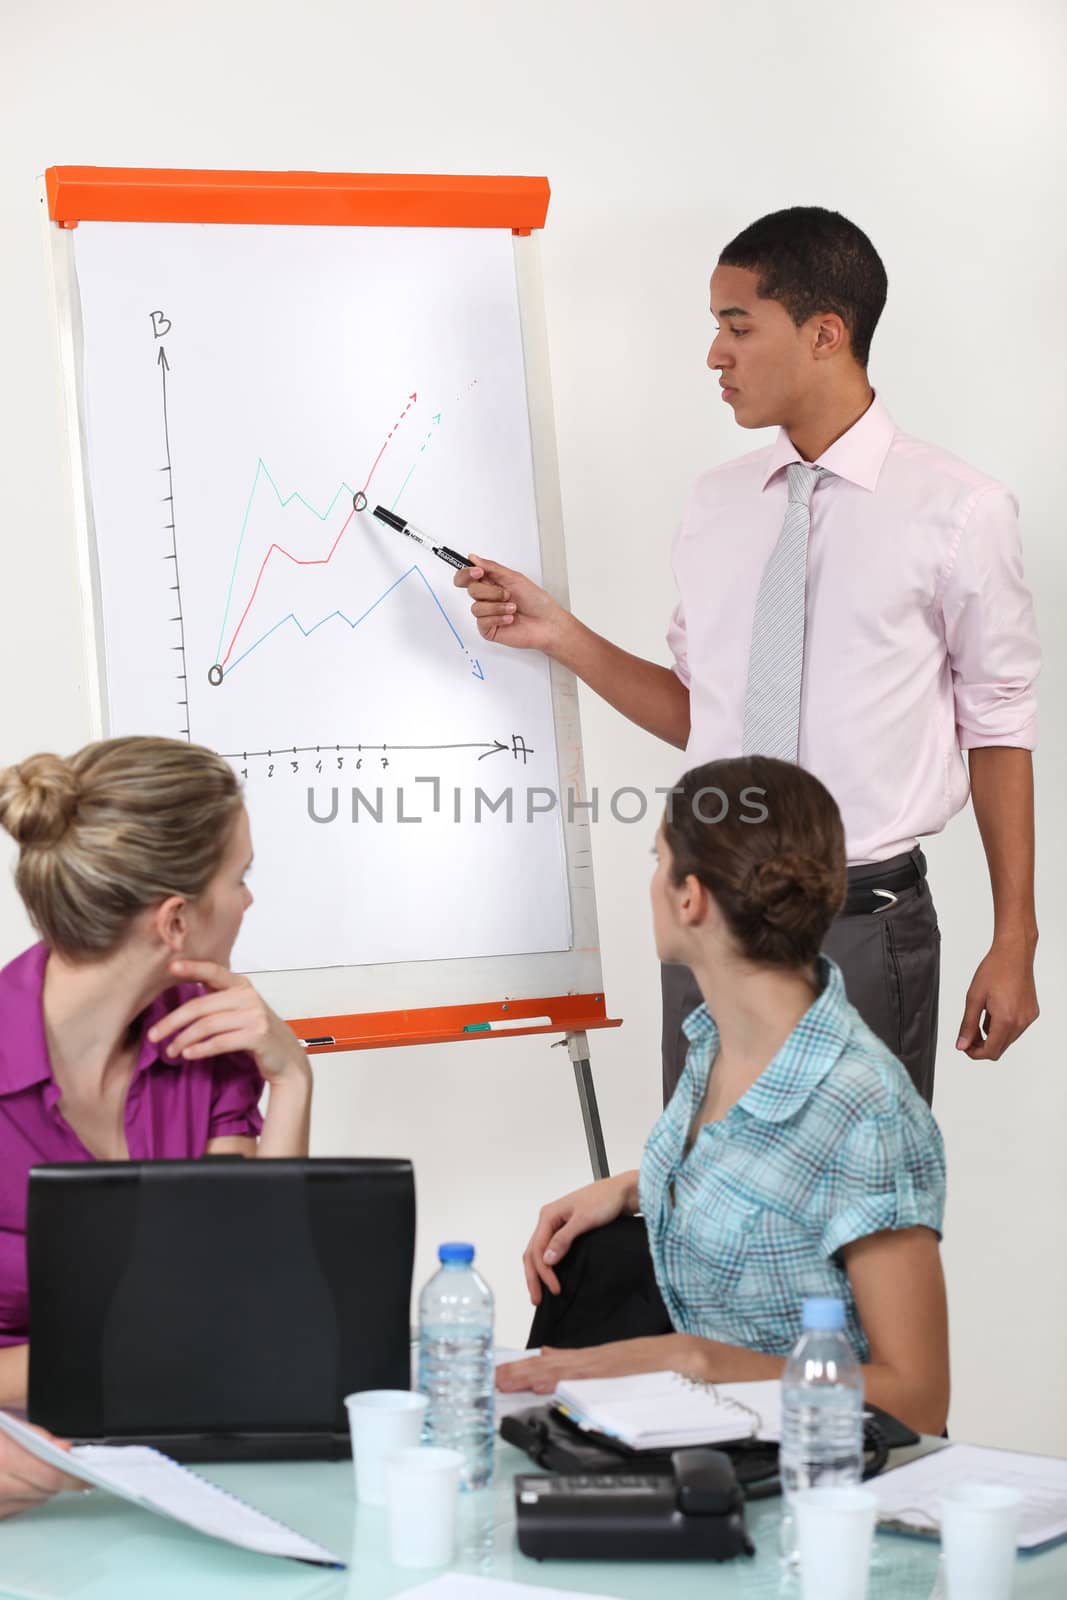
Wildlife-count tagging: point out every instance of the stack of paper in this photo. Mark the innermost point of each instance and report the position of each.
(909, 1496)
(150, 1479)
(663, 1411)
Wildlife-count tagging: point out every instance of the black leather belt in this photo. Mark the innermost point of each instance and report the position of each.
(878, 893)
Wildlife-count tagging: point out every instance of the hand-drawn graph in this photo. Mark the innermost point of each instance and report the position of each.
(242, 630)
(235, 641)
(251, 608)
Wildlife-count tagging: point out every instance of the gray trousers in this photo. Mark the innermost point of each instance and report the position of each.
(891, 964)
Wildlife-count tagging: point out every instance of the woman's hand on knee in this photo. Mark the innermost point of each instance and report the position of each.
(561, 1221)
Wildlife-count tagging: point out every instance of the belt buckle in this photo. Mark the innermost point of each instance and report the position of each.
(888, 896)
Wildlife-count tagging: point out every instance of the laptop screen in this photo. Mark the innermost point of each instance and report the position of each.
(217, 1298)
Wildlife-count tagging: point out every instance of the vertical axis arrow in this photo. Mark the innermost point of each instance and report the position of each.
(176, 587)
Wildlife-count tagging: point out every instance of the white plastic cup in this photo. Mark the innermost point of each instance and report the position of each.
(834, 1531)
(381, 1421)
(979, 1536)
(421, 1498)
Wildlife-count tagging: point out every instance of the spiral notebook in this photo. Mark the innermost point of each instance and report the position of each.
(149, 1479)
(664, 1411)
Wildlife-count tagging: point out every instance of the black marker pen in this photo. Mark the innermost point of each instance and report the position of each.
(409, 531)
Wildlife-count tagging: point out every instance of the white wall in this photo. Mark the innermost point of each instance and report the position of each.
(939, 129)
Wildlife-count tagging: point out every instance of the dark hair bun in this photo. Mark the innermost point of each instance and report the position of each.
(783, 890)
(778, 877)
(38, 801)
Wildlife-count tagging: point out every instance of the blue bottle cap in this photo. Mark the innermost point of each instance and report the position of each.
(455, 1252)
(824, 1315)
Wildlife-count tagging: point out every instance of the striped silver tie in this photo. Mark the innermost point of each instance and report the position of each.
(776, 655)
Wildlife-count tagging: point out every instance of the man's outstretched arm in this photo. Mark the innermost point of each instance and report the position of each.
(510, 609)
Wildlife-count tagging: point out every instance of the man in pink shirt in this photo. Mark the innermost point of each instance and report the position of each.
(916, 644)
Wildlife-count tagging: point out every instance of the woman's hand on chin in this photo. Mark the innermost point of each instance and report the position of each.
(232, 1016)
(665, 1352)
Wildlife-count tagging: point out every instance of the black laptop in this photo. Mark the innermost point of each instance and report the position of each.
(219, 1309)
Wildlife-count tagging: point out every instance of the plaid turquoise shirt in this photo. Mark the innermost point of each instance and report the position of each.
(832, 1142)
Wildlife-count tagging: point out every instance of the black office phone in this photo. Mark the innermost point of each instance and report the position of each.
(694, 1512)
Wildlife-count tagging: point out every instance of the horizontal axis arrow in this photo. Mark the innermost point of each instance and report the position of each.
(488, 749)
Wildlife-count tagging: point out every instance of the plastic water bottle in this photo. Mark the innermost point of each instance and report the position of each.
(456, 1362)
(822, 1412)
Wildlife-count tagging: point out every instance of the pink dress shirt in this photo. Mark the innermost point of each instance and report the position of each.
(920, 640)
(173, 1108)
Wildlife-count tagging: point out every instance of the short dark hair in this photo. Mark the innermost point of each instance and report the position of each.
(812, 260)
(778, 879)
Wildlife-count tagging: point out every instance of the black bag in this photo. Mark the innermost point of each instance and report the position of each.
(556, 1443)
(608, 1291)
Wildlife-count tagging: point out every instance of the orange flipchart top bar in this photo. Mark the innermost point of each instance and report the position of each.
(334, 199)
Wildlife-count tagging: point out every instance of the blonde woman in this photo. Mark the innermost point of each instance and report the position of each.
(123, 1034)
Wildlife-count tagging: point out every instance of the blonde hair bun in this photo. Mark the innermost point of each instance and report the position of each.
(38, 800)
(118, 828)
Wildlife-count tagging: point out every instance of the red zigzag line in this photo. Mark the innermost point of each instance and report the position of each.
(314, 561)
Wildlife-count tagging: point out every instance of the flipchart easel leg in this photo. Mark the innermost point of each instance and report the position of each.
(578, 1047)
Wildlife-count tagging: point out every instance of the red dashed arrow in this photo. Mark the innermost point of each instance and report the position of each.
(411, 401)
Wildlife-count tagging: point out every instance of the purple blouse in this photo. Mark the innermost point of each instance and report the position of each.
(173, 1108)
